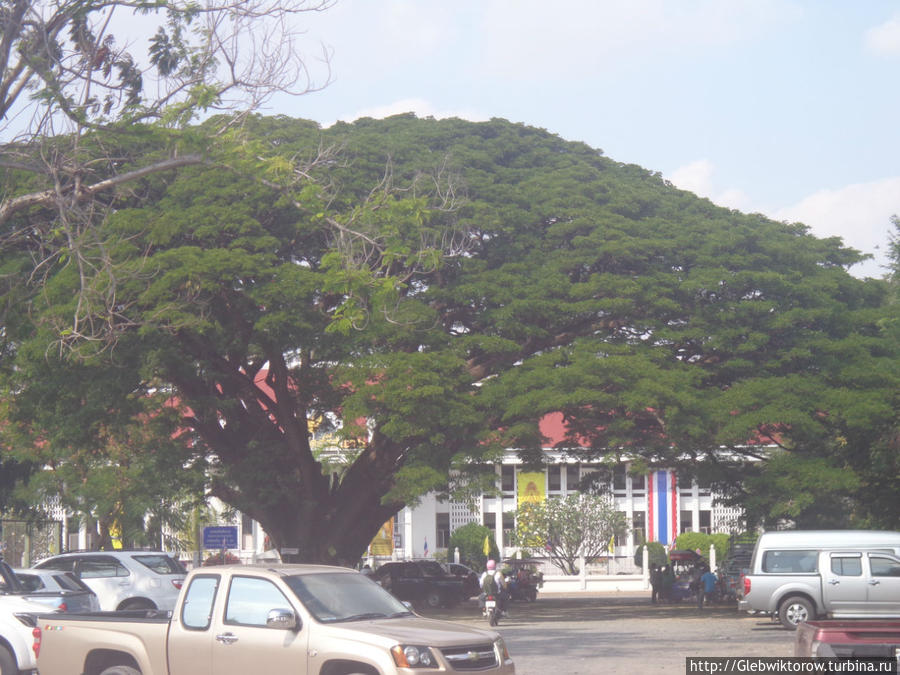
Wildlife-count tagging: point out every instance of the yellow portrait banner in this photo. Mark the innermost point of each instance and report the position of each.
(531, 487)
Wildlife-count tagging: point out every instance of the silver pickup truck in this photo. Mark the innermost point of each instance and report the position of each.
(299, 619)
(797, 576)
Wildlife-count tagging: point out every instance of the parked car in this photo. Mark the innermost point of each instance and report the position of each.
(799, 575)
(857, 638)
(62, 591)
(269, 619)
(469, 578)
(17, 621)
(421, 582)
(124, 579)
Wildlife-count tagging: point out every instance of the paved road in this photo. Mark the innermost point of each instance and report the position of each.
(614, 633)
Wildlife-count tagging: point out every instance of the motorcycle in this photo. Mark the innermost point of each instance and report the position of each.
(491, 610)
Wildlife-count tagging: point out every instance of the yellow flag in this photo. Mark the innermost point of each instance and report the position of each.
(487, 545)
(612, 544)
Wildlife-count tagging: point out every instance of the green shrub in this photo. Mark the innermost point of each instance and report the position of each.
(656, 554)
(469, 539)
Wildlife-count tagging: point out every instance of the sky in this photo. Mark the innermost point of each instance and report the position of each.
(783, 107)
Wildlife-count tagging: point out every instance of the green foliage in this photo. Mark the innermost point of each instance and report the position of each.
(498, 274)
(656, 554)
(469, 539)
(693, 541)
(807, 492)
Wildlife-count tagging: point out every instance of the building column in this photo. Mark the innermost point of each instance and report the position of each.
(498, 525)
(407, 532)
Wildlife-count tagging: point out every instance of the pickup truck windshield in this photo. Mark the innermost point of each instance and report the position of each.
(333, 597)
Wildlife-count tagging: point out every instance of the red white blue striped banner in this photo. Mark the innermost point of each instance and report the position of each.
(662, 507)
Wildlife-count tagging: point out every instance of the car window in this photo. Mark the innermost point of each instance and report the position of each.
(61, 564)
(431, 568)
(196, 611)
(250, 601)
(336, 596)
(70, 582)
(787, 562)
(160, 563)
(884, 567)
(101, 567)
(411, 571)
(30, 582)
(847, 566)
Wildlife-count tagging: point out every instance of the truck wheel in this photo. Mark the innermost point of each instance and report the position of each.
(795, 610)
(121, 670)
(7, 663)
(433, 599)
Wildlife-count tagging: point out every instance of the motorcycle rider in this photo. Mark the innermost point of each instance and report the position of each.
(499, 583)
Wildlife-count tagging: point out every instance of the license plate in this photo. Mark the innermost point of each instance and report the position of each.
(490, 604)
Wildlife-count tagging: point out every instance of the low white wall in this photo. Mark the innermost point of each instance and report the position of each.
(594, 583)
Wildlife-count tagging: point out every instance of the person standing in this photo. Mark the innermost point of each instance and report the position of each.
(655, 584)
(667, 583)
(707, 587)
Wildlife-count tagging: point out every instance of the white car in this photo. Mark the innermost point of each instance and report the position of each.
(61, 591)
(124, 579)
(16, 636)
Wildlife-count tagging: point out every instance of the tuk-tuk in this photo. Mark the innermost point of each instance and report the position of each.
(522, 578)
(683, 563)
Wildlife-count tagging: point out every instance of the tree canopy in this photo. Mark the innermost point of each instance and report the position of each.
(426, 291)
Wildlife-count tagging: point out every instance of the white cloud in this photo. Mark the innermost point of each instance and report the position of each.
(697, 177)
(884, 38)
(860, 214)
(531, 39)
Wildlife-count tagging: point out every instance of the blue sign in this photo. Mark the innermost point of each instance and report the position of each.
(217, 538)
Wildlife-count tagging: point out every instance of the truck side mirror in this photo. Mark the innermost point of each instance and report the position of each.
(282, 619)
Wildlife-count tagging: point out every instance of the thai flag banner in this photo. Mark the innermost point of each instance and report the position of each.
(662, 507)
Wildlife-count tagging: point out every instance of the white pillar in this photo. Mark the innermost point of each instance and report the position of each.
(582, 573)
(498, 526)
(645, 566)
(456, 555)
(712, 558)
(407, 533)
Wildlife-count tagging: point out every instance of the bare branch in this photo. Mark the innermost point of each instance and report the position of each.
(11, 206)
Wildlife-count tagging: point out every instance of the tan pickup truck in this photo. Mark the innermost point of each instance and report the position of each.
(298, 619)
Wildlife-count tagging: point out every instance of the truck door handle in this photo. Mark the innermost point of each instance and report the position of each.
(834, 582)
(874, 582)
(226, 638)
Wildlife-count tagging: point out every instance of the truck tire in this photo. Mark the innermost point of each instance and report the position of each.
(795, 610)
(121, 670)
(7, 663)
(433, 599)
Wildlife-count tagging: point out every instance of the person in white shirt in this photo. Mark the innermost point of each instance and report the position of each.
(499, 582)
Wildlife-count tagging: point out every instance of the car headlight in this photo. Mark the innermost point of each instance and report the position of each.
(502, 651)
(413, 656)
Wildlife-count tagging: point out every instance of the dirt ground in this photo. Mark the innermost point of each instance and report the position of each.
(624, 633)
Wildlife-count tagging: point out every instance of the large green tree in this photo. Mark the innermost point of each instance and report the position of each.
(82, 82)
(439, 286)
